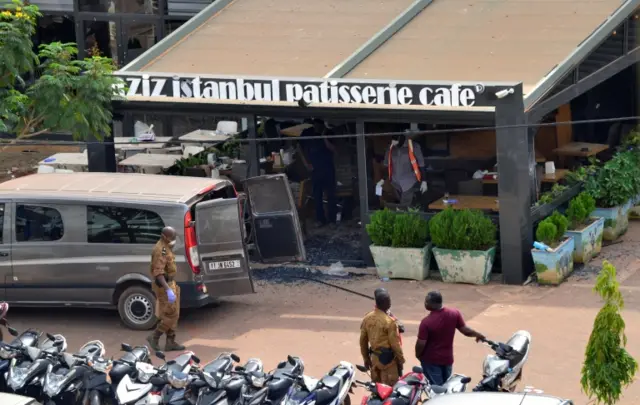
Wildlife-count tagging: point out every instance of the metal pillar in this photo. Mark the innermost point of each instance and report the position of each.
(514, 151)
(253, 158)
(363, 189)
(101, 155)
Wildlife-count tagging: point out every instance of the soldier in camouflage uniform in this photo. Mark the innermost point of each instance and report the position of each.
(380, 342)
(167, 292)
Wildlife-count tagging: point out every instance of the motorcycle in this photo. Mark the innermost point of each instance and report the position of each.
(280, 383)
(63, 382)
(129, 391)
(221, 386)
(411, 388)
(100, 384)
(15, 349)
(177, 389)
(502, 371)
(332, 389)
(27, 376)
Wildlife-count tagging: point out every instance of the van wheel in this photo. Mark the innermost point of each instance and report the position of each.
(136, 306)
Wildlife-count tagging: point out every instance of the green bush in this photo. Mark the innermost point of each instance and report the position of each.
(380, 228)
(580, 209)
(551, 230)
(616, 182)
(462, 230)
(410, 230)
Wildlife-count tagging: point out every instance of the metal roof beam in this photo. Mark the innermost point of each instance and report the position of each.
(177, 36)
(584, 85)
(382, 36)
(580, 52)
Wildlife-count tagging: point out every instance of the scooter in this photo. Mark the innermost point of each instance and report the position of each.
(15, 349)
(27, 377)
(411, 388)
(178, 389)
(221, 385)
(100, 384)
(502, 371)
(135, 390)
(63, 382)
(332, 389)
(279, 383)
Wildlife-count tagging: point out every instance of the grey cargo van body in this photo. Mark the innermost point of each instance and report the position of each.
(85, 239)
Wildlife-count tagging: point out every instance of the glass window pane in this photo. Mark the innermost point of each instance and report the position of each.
(137, 38)
(38, 224)
(172, 25)
(120, 6)
(54, 28)
(100, 39)
(122, 225)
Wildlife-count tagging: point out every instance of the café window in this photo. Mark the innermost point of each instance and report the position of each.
(120, 6)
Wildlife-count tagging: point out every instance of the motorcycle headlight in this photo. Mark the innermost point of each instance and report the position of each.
(101, 366)
(178, 380)
(6, 353)
(257, 381)
(145, 372)
(213, 380)
(53, 384)
(18, 377)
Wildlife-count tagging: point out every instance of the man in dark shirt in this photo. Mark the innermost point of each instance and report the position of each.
(317, 156)
(434, 346)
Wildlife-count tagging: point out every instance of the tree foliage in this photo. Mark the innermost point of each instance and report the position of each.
(608, 367)
(51, 90)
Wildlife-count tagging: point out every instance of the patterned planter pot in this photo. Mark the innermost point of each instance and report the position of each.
(634, 212)
(588, 241)
(616, 221)
(465, 266)
(405, 263)
(554, 266)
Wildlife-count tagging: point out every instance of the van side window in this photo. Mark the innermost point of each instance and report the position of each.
(38, 224)
(122, 225)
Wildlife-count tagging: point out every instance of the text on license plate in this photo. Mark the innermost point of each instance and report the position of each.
(227, 264)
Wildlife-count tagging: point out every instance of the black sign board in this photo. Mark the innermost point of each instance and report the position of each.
(329, 91)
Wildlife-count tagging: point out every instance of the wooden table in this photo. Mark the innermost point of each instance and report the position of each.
(202, 136)
(78, 162)
(574, 149)
(548, 178)
(148, 163)
(479, 202)
(126, 143)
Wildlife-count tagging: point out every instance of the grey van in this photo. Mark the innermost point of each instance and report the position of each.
(85, 239)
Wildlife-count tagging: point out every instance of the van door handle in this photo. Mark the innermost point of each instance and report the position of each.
(4, 254)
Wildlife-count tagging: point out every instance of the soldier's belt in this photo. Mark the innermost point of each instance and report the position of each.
(385, 355)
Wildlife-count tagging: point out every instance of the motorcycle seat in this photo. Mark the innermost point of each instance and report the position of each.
(411, 378)
(279, 387)
(330, 381)
(341, 373)
(438, 389)
(328, 393)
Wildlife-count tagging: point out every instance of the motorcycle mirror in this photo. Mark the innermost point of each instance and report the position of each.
(235, 357)
(125, 347)
(361, 368)
(291, 360)
(51, 337)
(161, 355)
(195, 358)
(12, 331)
(417, 370)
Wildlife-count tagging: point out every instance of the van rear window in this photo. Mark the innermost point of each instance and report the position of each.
(109, 224)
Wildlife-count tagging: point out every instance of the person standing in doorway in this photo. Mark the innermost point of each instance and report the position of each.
(317, 156)
(380, 343)
(434, 346)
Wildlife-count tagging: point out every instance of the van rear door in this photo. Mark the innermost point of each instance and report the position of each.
(275, 226)
(224, 263)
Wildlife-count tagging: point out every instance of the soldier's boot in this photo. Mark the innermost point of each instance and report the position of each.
(172, 345)
(154, 340)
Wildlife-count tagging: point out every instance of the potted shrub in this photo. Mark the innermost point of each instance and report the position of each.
(585, 230)
(614, 186)
(556, 263)
(401, 247)
(464, 245)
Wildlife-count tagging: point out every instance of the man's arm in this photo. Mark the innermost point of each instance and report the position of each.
(467, 331)
(364, 346)
(158, 262)
(394, 342)
(421, 340)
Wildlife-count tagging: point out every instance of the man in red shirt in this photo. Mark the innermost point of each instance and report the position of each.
(434, 346)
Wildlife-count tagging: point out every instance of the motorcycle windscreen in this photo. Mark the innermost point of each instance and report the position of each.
(275, 225)
(224, 264)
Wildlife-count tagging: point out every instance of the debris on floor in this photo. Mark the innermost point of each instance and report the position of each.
(297, 275)
(324, 249)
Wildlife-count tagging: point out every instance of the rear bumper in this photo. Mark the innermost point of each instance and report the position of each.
(192, 297)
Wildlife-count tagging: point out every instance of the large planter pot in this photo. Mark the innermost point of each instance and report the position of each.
(552, 267)
(406, 263)
(634, 211)
(465, 266)
(588, 241)
(616, 221)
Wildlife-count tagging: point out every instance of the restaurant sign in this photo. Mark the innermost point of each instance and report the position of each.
(330, 91)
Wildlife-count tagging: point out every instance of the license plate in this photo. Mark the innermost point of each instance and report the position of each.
(227, 264)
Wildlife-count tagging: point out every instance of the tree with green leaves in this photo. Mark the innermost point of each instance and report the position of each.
(608, 367)
(50, 91)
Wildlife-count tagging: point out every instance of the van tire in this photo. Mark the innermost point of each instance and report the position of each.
(136, 306)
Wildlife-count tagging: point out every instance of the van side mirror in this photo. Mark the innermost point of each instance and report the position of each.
(125, 348)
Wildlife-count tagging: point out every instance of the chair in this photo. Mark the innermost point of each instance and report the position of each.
(470, 187)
